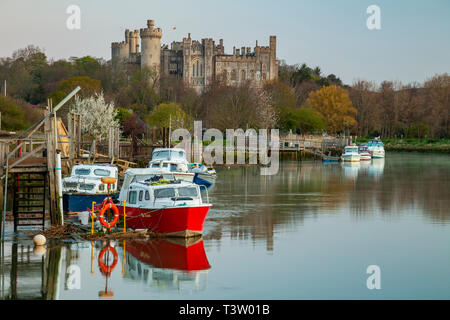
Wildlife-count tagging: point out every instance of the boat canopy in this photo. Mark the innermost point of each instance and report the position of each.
(168, 154)
(140, 175)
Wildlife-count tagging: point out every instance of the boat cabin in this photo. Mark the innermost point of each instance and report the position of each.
(176, 154)
(351, 149)
(172, 166)
(86, 178)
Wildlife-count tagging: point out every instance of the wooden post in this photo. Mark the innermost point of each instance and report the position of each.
(111, 142)
(54, 213)
(154, 136)
(2, 181)
(71, 137)
(116, 146)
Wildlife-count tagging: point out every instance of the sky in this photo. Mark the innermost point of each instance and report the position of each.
(413, 43)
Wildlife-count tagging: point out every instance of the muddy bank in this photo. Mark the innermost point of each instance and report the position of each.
(82, 233)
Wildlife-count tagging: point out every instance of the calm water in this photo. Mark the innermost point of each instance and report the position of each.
(309, 232)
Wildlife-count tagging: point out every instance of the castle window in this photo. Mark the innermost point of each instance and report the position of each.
(197, 69)
(233, 75)
(252, 75)
(224, 75)
(264, 76)
(242, 75)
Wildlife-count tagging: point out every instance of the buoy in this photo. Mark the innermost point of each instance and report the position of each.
(39, 250)
(39, 240)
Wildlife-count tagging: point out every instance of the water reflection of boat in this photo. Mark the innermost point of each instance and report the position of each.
(169, 263)
(351, 169)
(377, 167)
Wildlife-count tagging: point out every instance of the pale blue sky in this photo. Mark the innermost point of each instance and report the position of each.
(413, 43)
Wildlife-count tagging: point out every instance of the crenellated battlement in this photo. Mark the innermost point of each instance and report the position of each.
(196, 62)
(119, 44)
(151, 33)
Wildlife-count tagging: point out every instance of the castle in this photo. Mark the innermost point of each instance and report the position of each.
(197, 63)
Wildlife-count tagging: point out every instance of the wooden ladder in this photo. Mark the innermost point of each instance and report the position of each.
(29, 199)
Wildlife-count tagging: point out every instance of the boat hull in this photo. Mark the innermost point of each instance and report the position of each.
(366, 156)
(204, 179)
(330, 159)
(185, 176)
(351, 158)
(180, 221)
(377, 155)
(73, 202)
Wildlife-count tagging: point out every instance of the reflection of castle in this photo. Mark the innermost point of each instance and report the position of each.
(197, 63)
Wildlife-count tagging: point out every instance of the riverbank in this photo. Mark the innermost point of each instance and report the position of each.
(408, 144)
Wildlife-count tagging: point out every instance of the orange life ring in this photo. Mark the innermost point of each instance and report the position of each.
(104, 268)
(101, 217)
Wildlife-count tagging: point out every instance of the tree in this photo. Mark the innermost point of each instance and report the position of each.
(13, 117)
(364, 98)
(438, 104)
(134, 126)
(88, 86)
(308, 120)
(87, 66)
(166, 114)
(334, 104)
(97, 115)
(282, 100)
(122, 114)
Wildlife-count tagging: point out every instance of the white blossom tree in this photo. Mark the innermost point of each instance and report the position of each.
(267, 115)
(97, 115)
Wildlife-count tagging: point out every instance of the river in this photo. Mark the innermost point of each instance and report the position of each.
(309, 232)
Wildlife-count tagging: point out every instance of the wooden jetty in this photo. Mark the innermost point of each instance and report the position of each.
(29, 159)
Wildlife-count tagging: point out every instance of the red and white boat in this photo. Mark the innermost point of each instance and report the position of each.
(161, 204)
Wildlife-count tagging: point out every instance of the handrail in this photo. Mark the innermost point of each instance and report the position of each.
(207, 195)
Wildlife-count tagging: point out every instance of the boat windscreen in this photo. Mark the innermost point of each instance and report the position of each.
(187, 192)
(164, 193)
(102, 172)
(82, 171)
(165, 154)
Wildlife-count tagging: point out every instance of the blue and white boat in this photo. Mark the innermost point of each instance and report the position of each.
(203, 175)
(376, 148)
(84, 185)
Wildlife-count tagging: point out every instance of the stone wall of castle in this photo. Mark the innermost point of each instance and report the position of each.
(197, 63)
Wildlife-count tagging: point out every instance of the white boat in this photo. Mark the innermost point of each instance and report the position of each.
(351, 154)
(364, 152)
(376, 148)
(172, 160)
(84, 185)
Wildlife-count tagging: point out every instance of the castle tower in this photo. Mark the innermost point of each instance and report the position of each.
(273, 58)
(133, 37)
(187, 59)
(119, 53)
(151, 46)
